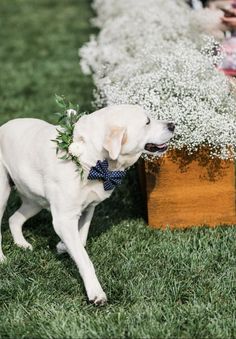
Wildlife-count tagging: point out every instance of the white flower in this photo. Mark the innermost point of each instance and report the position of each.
(150, 52)
(71, 112)
(75, 149)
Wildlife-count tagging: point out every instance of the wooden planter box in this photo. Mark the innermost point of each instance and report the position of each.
(182, 190)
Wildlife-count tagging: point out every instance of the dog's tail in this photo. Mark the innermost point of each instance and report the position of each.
(10, 181)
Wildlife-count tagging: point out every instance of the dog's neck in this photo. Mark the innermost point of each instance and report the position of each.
(87, 162)
(123, 162)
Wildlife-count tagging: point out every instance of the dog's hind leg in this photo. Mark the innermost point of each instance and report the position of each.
(27, 210)
(5, 190)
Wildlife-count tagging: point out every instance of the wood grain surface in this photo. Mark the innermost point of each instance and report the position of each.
(184, 190)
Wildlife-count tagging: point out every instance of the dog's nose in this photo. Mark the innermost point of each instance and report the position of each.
(171, 126)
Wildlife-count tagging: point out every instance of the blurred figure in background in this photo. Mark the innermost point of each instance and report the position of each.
(223, 24)
(213, 4)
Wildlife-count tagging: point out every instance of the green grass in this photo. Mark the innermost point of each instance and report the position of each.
(160, 284)
(39, 56)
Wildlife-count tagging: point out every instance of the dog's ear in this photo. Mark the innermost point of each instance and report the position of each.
(114, 139)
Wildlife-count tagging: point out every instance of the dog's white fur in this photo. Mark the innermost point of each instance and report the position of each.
(28, 156)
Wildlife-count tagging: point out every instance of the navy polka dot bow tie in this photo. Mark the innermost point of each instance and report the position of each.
(101, 172)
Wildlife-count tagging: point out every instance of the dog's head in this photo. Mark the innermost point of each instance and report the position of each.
(120, 133)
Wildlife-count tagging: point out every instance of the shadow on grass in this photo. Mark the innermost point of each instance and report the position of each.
(125, 203)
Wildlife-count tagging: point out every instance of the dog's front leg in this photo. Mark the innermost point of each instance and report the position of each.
(84, 223)
(67, 229)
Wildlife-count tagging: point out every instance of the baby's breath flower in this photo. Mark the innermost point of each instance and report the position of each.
(153, 53)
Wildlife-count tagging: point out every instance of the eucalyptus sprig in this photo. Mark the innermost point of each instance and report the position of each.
(67, 119)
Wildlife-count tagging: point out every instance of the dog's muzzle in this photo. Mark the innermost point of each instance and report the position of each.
(153, 148)
(160, 148)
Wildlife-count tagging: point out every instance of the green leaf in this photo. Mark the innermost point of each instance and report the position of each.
(60, 101)
(64, 157)
(71, 106)
(65, 138)
(65, 132)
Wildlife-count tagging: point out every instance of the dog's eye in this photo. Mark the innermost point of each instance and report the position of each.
(148, 122)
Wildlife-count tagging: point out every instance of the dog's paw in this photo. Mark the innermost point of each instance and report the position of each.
(24, 244)
(98, 299)
(61, 248)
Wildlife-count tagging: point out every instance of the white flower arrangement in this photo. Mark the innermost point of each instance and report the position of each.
(149, 53)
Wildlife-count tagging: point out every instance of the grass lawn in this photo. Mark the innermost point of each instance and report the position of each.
(160, 284)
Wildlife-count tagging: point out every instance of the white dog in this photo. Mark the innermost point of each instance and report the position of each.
(118, 134)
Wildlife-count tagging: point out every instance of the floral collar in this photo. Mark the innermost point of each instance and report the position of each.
(67, 120)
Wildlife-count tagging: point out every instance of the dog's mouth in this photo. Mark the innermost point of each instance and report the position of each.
(153, 148)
